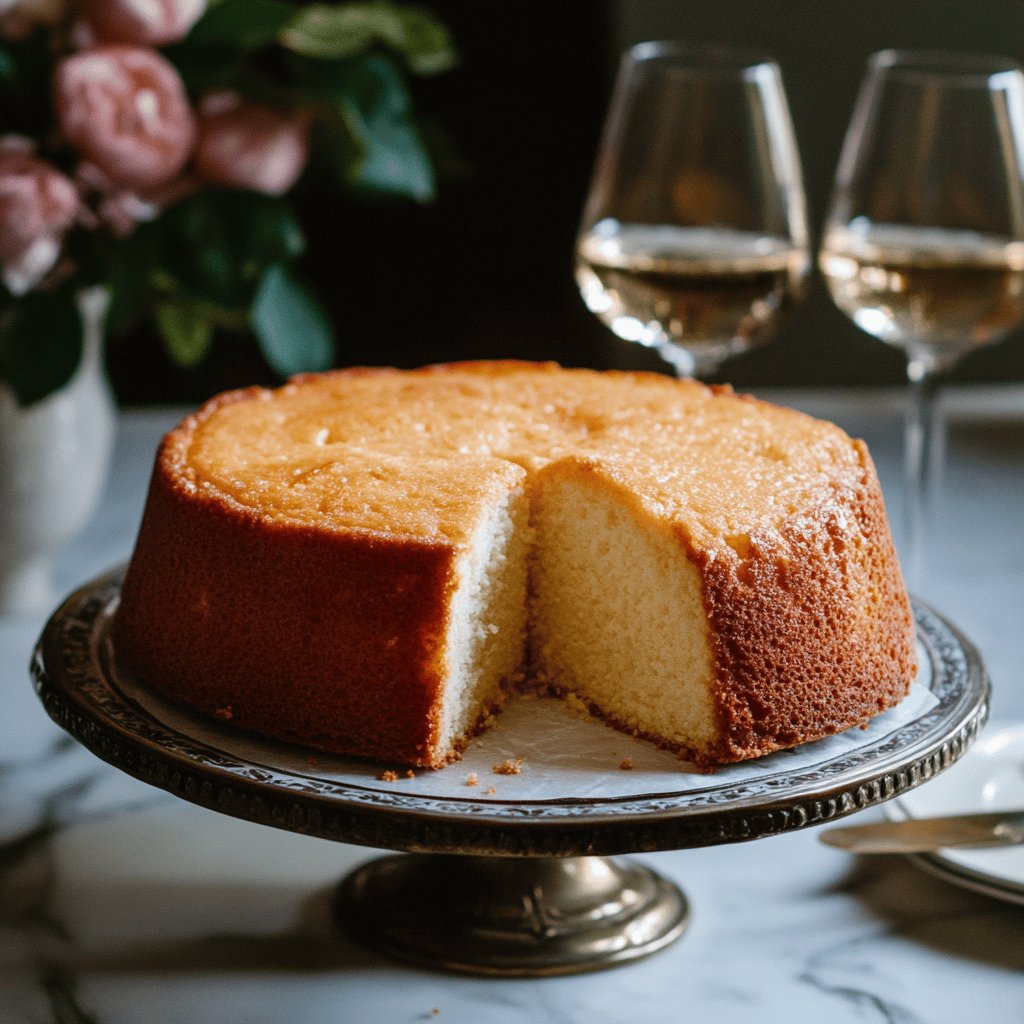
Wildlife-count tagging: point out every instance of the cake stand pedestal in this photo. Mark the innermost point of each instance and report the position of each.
(511, 916)
(520, 881)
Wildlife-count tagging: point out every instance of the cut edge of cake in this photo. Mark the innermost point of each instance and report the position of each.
(487, 624)
(618, 612)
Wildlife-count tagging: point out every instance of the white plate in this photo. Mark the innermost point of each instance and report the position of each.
(990, 777)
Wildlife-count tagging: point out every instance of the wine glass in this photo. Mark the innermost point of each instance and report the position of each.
(694, 234)
(923, 246)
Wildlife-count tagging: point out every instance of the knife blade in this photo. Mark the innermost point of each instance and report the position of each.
(921, 835)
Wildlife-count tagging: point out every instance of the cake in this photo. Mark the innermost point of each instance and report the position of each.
(370, 562)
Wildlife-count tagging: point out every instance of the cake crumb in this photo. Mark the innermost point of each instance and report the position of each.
(490, 791)
(435, 1012)
(575, 705)
(626, 764)
(511, 766)
(410, 774)
(225, 713)
(388, 776)
(471, 779)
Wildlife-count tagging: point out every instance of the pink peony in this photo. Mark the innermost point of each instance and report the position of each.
(37, 205)
(125, 109)
(246, 145)
(142, 22)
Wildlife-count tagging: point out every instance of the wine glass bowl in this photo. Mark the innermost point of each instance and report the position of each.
(923, 245)
(936, 293)
(693, 239)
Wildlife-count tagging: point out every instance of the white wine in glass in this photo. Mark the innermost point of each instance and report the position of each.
(924, 243)
(694, 239)
(937, 293)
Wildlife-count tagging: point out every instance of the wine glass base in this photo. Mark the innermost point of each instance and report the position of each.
(511, 916)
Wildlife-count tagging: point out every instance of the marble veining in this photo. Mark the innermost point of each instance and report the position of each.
(122, 904)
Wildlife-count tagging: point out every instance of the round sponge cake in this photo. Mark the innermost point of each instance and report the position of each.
(370, 561)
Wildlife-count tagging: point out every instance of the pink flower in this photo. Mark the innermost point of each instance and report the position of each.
(246, 145)
(143, 22)
(125, 110)
(120, 210)
(37, 205)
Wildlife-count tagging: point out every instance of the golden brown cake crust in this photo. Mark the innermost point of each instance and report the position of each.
(334, 636)
(806, 643)
(219, 611)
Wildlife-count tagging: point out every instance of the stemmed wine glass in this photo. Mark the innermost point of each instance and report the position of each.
(923, 246)
(694, 237)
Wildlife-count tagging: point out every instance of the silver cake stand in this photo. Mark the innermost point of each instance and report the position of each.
(510, 874)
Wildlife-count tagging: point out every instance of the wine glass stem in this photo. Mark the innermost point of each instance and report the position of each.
(686, 363)
(924, 451)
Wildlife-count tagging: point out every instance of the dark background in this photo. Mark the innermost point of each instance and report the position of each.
(486, 271)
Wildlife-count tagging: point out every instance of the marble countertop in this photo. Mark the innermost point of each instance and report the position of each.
(120, 903)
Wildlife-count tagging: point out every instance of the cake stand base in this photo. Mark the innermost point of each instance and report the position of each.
(511, 916)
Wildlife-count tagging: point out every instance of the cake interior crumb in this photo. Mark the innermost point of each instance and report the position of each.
(626, 764)
(388, 776)
(510, 766)
(471, 779)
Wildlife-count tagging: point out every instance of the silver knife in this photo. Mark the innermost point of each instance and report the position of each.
(920, 835)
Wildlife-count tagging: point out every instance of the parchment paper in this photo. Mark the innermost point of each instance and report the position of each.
(562, 754)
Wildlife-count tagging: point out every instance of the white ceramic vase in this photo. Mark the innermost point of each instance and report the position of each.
(54, 459)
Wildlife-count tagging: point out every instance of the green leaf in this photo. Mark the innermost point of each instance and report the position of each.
(327, 32)
(338, 144)
(290, 326)
(219, 243)
(40, 343)
(396, 162)
(332, 33)
(370, 96)
(241, 24)
(186, 332)
(424, 42)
